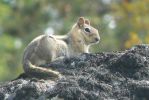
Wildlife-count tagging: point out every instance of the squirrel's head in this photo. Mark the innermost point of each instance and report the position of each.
(89, 33)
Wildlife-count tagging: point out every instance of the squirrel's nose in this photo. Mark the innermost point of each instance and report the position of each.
(96, 39)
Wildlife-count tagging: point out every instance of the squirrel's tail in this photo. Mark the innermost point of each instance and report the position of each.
(40, 71)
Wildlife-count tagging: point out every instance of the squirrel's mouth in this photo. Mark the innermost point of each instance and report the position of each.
(96, 40)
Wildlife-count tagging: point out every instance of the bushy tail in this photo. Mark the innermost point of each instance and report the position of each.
(40, 71)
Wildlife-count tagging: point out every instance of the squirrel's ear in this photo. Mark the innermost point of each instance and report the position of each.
(81, 21)
(87, 22)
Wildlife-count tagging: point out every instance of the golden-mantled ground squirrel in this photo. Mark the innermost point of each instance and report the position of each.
(45, 49)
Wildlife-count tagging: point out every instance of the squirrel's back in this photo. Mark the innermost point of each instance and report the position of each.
(39, 52)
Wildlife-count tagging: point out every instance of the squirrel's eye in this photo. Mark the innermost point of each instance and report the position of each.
(87, 30)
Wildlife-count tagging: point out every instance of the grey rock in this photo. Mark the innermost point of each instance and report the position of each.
(122, 75)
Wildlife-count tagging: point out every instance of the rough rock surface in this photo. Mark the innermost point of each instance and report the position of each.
(120, 75)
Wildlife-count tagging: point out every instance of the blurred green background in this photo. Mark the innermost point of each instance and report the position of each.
(122, 24)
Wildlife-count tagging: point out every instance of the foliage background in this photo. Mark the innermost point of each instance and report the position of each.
(122, 24)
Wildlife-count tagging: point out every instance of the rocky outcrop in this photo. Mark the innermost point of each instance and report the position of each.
(120, 75)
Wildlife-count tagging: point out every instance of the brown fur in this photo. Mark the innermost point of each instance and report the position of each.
(45, 49)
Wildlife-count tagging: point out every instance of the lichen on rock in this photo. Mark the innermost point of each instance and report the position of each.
(119, 75)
